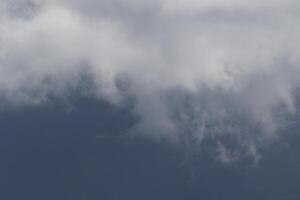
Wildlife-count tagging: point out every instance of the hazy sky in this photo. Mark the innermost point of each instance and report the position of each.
(208, 90)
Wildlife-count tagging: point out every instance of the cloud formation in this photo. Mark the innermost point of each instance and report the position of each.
(226, 71)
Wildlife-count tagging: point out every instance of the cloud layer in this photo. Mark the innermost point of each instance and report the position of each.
(225, 71)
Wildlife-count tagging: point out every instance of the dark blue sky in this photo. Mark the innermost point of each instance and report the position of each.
(49, 152)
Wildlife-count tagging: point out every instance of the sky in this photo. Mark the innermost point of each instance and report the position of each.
(137, 99)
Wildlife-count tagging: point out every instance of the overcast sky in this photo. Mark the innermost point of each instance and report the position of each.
(138, 99)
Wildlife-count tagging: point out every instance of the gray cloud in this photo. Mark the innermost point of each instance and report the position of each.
(197, 69)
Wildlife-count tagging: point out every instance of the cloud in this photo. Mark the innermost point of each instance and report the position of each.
(198, 69)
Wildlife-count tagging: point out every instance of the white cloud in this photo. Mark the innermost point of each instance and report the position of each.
(197, 68)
